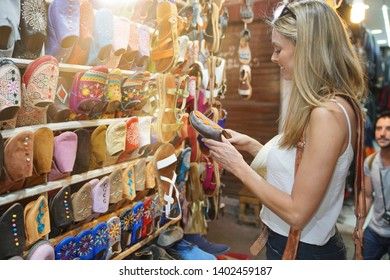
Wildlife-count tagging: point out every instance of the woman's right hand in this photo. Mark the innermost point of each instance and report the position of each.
(243, 142)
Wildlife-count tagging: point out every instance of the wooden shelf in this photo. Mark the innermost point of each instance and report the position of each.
(53, 185)
(69, 125)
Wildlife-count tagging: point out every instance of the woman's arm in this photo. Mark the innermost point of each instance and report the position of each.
(245, 143)
(326, 136)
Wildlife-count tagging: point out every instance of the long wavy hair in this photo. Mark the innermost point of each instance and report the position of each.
(325, 62)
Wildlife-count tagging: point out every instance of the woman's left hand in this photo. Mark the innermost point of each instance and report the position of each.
(225, 154)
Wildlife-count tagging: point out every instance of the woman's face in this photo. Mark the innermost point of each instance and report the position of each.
(283, 54)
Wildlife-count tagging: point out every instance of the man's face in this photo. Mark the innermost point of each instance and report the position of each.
(382, 132)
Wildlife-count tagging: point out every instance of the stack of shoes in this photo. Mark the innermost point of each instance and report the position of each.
(212, 248)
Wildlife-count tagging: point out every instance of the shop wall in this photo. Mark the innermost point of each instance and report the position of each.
(258, 116)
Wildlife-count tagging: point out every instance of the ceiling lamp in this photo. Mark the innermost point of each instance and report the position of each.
(358, 11)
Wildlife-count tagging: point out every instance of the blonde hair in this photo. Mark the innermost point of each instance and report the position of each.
(325, 62)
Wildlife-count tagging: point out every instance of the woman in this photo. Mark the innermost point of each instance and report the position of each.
(313, 50)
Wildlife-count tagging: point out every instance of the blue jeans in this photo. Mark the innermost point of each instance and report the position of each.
(334, 249)
(374, 245)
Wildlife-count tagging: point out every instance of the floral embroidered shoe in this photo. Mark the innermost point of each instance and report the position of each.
(138, 213)
(10, 93)
(113, 94)
(38, 91)
(147, 223)
(114, 231)
(85, 244)
(66, 249)
(33, 23)
(101, 240)
(127, 222)
(86, 100)
(132, 139)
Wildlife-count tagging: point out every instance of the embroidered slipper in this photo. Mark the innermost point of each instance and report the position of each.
(120, 39)
(138, 213)
(33, 23)
(128, 177)
(85, 244)
(13, 238)
(41, 250)
(128, 58)
(147, 223)
(66, 249)
(102, 37)
(113, 93)
(10, 93)
(38, 92)
(114, 232)
(127, 222)
(9, 26)
(82, 202)
(81, 48)
(164, 163)
(165, 47)
(37, 220)
(143, 45)
(101, 240)
(63, 28)
(245, 88)
(132, 139)
(116, 186)
(87, 93)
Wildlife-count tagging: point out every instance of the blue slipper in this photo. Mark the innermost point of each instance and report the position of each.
(101, 241)
(85, 241)
(66, 249)
(138, 212)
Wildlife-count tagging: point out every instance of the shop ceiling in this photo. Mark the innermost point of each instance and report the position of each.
(374, 19)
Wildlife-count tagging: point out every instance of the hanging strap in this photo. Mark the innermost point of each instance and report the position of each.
(291, 249)
(359, 188)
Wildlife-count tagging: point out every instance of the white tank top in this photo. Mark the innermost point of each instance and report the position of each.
(280, 173)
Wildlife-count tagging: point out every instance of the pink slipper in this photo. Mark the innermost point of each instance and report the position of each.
(38, 90)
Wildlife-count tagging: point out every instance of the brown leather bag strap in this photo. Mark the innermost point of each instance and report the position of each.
(359, 188)
(291, 249)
